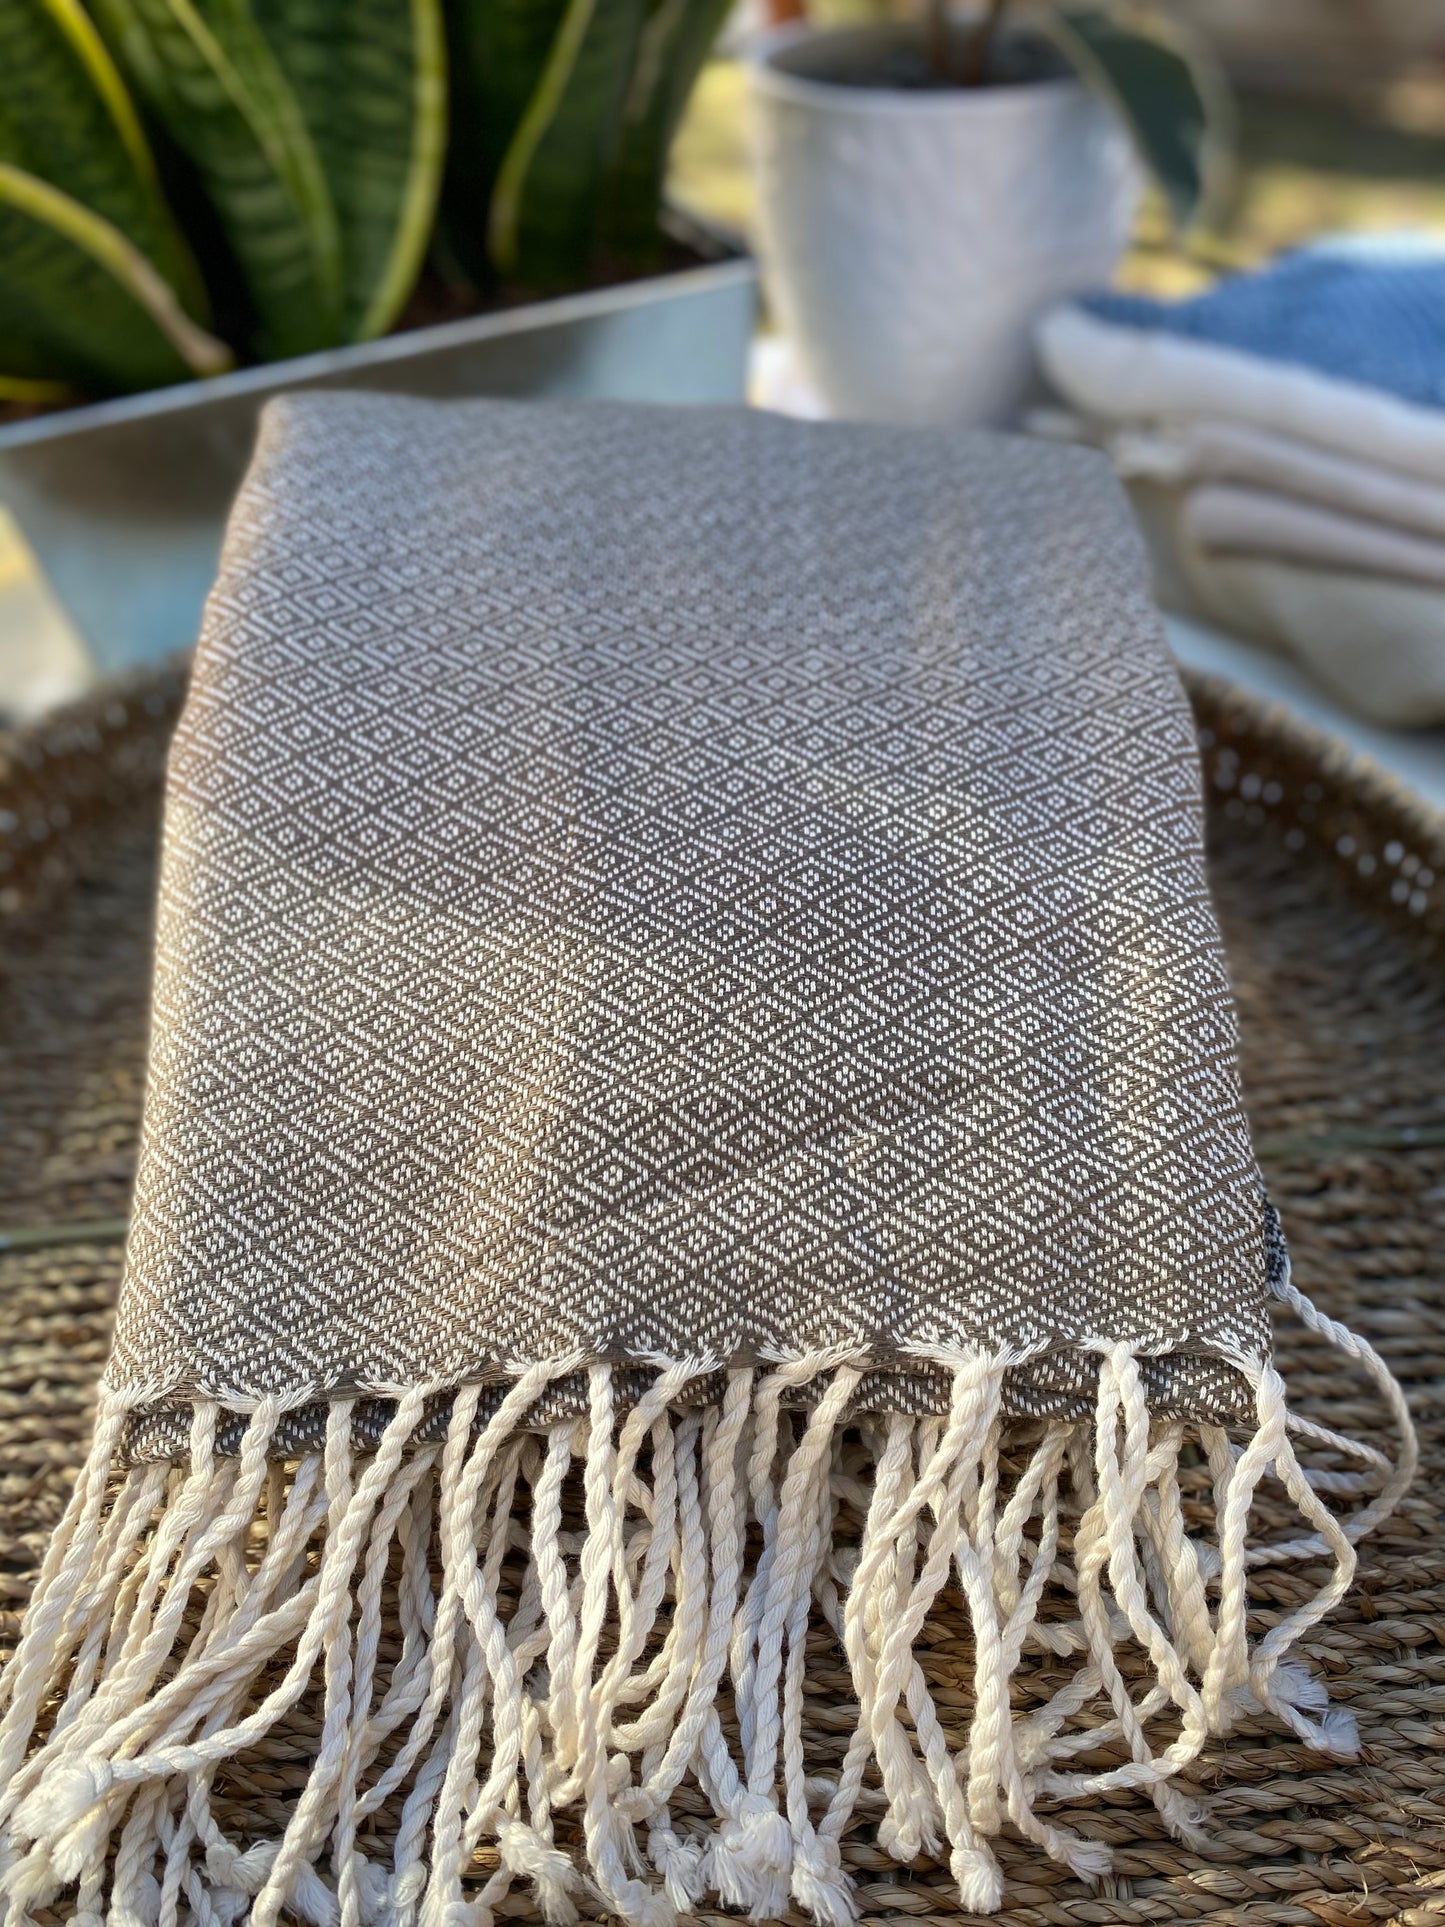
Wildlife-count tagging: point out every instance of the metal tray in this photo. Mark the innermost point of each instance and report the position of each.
(123, 502)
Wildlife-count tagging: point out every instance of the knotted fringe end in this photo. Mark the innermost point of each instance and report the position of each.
(576, 1654)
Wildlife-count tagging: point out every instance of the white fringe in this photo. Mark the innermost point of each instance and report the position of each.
(488, 1671)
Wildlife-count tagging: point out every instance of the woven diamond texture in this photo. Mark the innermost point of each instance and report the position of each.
(643, 882)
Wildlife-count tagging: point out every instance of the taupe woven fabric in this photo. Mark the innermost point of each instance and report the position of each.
(651, 883)
(692, 1100)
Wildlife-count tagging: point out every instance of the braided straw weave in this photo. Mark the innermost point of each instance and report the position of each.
(1331, 888)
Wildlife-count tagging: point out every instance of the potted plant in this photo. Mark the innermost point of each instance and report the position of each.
(205, 201)
(928, 186)
(185, 186)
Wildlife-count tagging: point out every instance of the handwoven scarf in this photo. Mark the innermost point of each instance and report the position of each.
(692, 1111)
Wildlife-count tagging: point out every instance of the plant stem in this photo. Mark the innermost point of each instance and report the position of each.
(974, 70)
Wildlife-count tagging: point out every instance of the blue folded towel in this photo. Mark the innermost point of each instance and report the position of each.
(1368, 310)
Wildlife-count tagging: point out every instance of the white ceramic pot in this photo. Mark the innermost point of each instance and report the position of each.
(909, 238)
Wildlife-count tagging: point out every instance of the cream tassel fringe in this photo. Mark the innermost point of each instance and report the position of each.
(528, 1625)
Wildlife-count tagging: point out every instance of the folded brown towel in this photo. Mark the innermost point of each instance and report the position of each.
(693, 1095)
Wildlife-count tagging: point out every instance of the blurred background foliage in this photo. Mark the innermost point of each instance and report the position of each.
(187, 183)
(1341, 125)
(184, 183)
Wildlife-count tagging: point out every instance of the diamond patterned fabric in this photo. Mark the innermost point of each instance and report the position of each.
(645, 882)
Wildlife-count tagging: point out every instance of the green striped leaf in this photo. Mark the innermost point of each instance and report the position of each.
(80, 303)
(579, 188)
(66, 116)
(676, 40)
(208, 72)
(370, 79)
(499, 49)
(549, 187)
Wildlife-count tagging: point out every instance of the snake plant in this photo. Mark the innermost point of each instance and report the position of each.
(188, 182)
(571, 106)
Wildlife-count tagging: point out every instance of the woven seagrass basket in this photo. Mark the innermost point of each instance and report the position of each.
(1331, 887)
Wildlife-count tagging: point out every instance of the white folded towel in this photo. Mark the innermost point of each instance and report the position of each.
(1124, 374)
(1340, 345)
(1376, 644)
(1284, 439)
(1252, 521)
(1187, 452)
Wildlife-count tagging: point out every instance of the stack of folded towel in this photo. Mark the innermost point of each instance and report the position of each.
(1284, 437)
